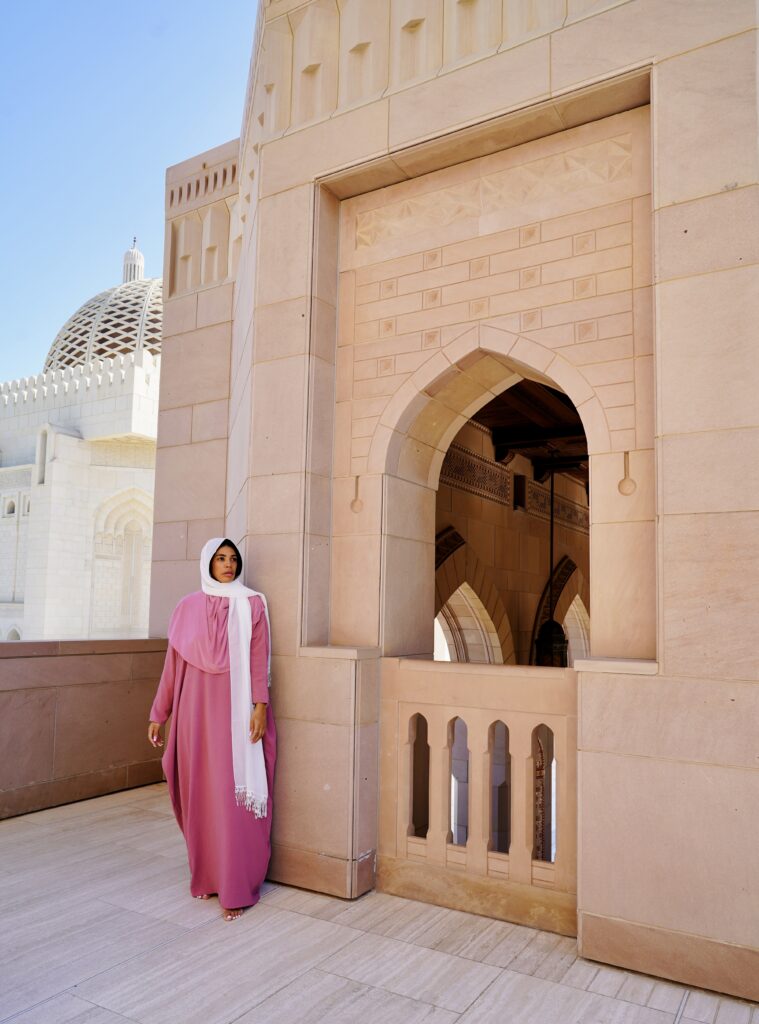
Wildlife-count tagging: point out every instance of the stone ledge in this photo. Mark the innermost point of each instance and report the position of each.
(617, 666)
(58, 648)
(690, 959)
(548, 909)
(53, 793)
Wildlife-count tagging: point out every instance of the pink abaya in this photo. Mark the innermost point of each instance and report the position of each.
(227, 846)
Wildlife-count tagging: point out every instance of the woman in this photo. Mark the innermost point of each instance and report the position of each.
(221, 749)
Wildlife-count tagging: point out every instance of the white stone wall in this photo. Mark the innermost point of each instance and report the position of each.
(14, 488)
(77, 458)
(107, 398)
(92, 494)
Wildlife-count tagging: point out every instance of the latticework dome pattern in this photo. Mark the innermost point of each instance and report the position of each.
(124, 319)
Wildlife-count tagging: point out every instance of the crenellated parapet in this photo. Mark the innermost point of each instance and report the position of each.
(203, 226)
(105, 398)
(75, 384)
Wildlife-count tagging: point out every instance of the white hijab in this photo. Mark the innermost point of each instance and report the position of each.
(251, 789)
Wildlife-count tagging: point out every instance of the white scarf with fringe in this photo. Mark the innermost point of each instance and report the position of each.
(251, 787)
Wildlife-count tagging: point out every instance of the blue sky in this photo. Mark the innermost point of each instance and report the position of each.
(97, 98)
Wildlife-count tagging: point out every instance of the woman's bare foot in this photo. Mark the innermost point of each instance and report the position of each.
(233, 914)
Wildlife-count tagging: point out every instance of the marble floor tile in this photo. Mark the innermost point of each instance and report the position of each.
(559, 961)
(371, 910)
(300, 901)
(408, 970)
(522, 999)
(214, 974)
(47, 950)
(68, 1009)
(537, 950)
(701, 1006)
(666, 995)
(164, 894)
(733, 1011)
(410, 921)
(462, 934)
(637, 988)
(84, 871)
(510, 946)
(607, 981)
(316, 997)
(158, 803)
(97, 927)
(580, 974)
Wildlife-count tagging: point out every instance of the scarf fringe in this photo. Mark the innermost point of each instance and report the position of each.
(248, 800)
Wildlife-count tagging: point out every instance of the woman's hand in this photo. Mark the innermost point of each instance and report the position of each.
(154, 734)
(257, 723)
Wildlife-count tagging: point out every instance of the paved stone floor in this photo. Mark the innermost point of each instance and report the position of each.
(98, 928)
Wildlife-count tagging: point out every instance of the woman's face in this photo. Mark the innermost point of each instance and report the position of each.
(224, 564)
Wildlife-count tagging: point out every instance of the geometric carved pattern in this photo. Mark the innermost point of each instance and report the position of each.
(585, 167)
(476, 474)
(566, 512)
(468, 471)
(573, 171)
(128, 318)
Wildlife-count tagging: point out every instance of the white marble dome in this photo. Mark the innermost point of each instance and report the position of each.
(127, 318)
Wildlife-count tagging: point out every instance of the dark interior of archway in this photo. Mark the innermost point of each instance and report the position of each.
(540, 423)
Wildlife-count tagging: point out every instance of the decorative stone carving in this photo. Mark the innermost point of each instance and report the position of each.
(363, 50)
(469, 471)
(416, 40)
(315, 41)
(576, 170)
(472, 28)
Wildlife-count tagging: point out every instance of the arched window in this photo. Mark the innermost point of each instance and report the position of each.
(121, 565)
(10, 507)
(13, 634)
(458, 745)
(500, 788)
(544, 788)
(420, 777)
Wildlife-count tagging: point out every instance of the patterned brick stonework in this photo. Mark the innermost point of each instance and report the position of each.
(547, 241)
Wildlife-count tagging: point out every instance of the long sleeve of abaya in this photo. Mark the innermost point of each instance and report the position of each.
(164, 697)
(259, 655)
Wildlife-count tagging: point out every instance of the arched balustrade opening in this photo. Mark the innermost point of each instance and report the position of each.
(420, 777)
(544, 787)
(500, 788)
(459, 787)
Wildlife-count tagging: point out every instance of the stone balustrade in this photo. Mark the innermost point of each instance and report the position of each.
(426, 857)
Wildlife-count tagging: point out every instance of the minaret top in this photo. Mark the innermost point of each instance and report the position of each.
(134, 264)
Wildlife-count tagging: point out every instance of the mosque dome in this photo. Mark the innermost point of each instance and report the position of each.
(127, 318)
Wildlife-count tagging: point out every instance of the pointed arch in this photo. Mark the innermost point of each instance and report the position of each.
(428, 410)
(131, 503)
(576, 623)
(120, 580)
(461, 575)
